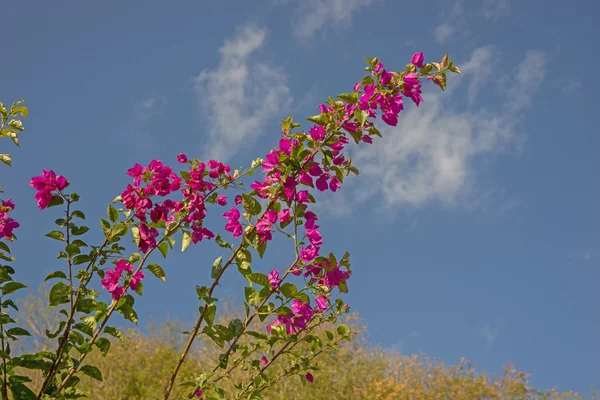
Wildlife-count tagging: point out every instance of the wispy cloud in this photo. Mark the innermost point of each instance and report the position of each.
(148, 106)
(431, 156)
(240, 95)
(455, 21)
(571, 85)
(489, 336)
(493, 9)
(316, 14)
(529, 76)
(452, 21)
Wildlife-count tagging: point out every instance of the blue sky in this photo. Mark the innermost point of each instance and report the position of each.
(473, 227)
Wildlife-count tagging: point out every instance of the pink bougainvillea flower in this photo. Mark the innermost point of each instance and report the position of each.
(123, 265)
(296, 270)
(314, 237)
(182, 158)
(321, 303)
(264, 360)
(317, 133)
(222, 200)
(199, 393)
(321, 183)
(309, 253)
(7, 225)
(309, 377)
(274, 278)
(315, 170)
(136, 279)
(233, 225)
(147, 237)
(238, 199)
(46, 185)
(289, 187)
(284, 216)
(334, 184)
(305, 178)
(310, 218)
(302, 196)
(418, 59)
(262, 189)
(286, 146)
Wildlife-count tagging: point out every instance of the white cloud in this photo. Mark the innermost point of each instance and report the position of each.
(443, 32)
(145, 108)
(240, 95)
(489, 336)
(452, 21)
(431, 156)
(529, 76)
(315, 14)
(571, 85)
(479, 67)
(493, 9)
(455, 21)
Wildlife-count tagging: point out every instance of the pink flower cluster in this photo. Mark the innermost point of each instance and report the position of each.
(7, 224)
(111, 281)
(303, 313)
(161, 181)
(47, 186)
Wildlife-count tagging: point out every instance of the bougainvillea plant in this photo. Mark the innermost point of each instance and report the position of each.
(161, 207)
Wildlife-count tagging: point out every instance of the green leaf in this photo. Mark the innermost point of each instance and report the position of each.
(110, 330)
(243, 259)
(289, 290)
(57, 235)
(92, 372)
(78, 214)
(20, 109)
(236, 326)
(224, 332)
(22, 392)
(6, 159)
(351, 98)
(261, 249)
(220, 242)
(12, 287)
(103, 344)
(16, 331)
(186, 239)
(251, 205)
(216, 268)
(157, 271)
(320, 119)
(259, 279)
(112, 213)
(361, 116)
(82, 259)
(202, 292)
(56, 201)
(164, 249)
(59, 294)
(329, 335)
(51, 335)
(105, 226)
(135, 232)
(72, 250)
(4, 247)
(79, 230)
(252, 295)
(209, 316)
(303, 297)
(83, 327)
